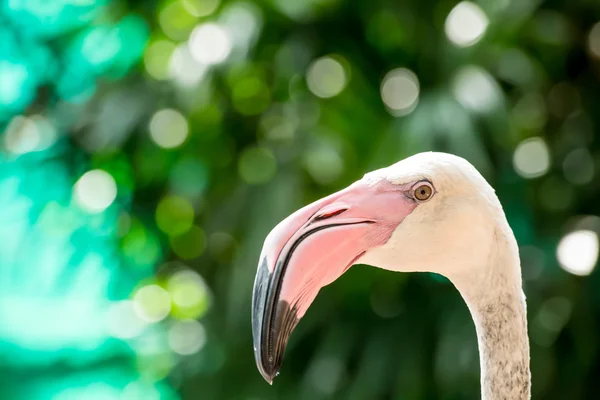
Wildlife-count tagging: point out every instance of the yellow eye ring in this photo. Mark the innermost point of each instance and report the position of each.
(423, 192)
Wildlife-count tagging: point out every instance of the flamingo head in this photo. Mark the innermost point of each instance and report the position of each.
(429, 212)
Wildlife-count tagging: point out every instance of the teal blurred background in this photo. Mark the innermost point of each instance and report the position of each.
(148, 147)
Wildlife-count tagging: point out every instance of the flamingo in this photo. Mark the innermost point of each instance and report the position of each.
(431, 212)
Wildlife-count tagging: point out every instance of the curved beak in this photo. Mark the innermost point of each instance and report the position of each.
(312, 248)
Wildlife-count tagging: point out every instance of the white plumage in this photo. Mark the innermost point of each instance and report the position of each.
(459, 231)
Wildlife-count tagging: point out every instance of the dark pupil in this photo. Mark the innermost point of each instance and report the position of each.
(423, 192)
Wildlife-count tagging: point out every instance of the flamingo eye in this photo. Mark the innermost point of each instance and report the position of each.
(423, 192)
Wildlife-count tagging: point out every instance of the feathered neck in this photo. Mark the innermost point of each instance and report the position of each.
(497, 304)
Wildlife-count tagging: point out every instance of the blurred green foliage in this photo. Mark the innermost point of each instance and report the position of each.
(148, 147)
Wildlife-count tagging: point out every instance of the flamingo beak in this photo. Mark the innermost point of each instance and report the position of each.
(312, 248)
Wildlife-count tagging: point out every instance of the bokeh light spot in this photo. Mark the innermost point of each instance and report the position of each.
(578, 167)
(189, 294)
(594, 40)
(176, 21)
(189, 245)
(222, 246)
(140, 246)
(21, 136)
(156, 58)
(257, 165)
(530, 111)
(532, 158)
(476, 89)
(210, 43)
(201, 8)
(326, 77)
(168, 128)
(577, 252)
(174, 215)
(324, 164)
(516, 67)
(251, 96)
(555, 313)
(46, 130)
(95, 191)
(299, 11)
(100, 46)
(184, 69)
(400, 91)
(186, 337)
(152, 303)
(27, 134)
(466, 24)
(15, 84)
(326, 374)
(277, 127)
(551, 27)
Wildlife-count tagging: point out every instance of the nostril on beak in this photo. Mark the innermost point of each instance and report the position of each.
(329, 214)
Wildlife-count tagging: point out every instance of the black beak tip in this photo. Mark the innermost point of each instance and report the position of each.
(261, 312)
(267, 369)
(272, 323)
(268, 375)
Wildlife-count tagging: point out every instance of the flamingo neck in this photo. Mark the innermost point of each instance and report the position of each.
(501, 327)
(497, 304)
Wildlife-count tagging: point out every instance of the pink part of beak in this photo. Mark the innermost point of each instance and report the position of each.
(312, 248)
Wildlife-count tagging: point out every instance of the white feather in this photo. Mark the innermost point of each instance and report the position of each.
(462, 233)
